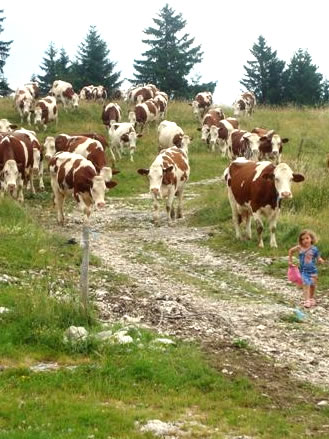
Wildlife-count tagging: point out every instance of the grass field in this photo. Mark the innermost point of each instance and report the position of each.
(100, 391)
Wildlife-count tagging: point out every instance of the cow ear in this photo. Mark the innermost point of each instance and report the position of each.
(13, 127)
(139, 135)
(298, 177)
(190, 105)
(143, 171)
(169, 169)
(111, 184)
(199, 129)
(285, 140)
(115, 171)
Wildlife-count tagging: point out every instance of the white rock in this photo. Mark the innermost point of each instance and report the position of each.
(164, 341)
(77, 333)
(104, 335)
(3, 309)
(322, 403)
(159, 428)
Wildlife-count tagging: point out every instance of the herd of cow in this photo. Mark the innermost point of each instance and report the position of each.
(256, 179)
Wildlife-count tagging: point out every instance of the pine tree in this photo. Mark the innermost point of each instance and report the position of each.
(93, 65)
(264, 75)
(325, 92)
(171, 56)
(49, 66)
(4, 53)
(62, 66)
(303, 84)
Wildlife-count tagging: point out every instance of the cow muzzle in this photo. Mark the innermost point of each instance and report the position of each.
(100, 205)
(155, 192)
(286, 195)
(11, 188)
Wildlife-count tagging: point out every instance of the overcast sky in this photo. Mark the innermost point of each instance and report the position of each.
(225, 30)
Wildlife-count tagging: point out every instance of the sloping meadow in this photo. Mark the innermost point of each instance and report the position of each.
(101, 391)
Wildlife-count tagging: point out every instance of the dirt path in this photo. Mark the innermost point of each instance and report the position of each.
(180, 287)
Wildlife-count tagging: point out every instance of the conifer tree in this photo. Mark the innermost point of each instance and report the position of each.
(264, 74)
(171, 56)
(63, 66)
(4, 53)
(93, 66)
(49, 66)
(303, 84)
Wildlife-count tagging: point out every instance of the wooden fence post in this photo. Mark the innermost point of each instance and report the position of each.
(84, 269)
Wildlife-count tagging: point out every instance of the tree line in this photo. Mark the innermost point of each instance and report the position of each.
(168, 61)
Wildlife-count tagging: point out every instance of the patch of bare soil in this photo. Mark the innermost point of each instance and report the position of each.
(179, 287)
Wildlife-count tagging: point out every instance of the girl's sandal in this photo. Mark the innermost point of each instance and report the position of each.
(307, 304)
(312, 302)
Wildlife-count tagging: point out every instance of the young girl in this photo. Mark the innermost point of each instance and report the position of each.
(308, 257)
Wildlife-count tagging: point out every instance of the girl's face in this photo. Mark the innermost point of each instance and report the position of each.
(306, 240)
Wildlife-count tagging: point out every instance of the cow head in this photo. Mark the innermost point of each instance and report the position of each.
(75, 100)
(49, 147)
(252, 143)
(283, 176)
(98, 191)
(10, 176)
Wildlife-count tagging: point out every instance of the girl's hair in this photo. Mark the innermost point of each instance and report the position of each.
(313, 236)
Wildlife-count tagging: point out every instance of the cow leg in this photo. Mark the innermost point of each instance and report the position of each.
(170, 207)
(180, 204)
(112, 153)
(30, 183)
(259, 228)
(248, 225)
(41, 183)
(59, 202)
(273, 219)
(155, 210)
(235, 215)
(132, 151)
(19, 185)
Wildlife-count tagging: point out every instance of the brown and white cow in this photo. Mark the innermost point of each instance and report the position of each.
(92, 150)
(16, 162)
(52, 145)
(33, 88)
(162, 104)
(24, 102)
(242, 143)
(86, 93)
(212, 117)
(256, 190)
(63, 92)
(72, 173)
(122, 136)
(245, 104)
(141, 94)
(30, 140)
(111, 111)
(99, 93)
(201, 104)
(143, 114)
(220, 134)
(45, 111)
(270, 145)
(167, 177)
(170, 134)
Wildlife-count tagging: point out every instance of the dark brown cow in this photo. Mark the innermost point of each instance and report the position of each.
(270, 144)
(111, 111)
(71, 172)
(256, 189)
(243, 144)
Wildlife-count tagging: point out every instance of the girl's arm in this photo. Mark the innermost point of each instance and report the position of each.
(291, 252)
(321, 260)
